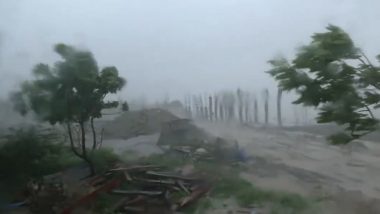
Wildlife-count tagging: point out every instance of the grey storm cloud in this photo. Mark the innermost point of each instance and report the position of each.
(172, 47)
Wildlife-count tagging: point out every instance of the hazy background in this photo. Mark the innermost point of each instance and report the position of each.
(173, 47)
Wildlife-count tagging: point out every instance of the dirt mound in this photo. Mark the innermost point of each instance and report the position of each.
(136, 123)
(183, 136)
(182, 132)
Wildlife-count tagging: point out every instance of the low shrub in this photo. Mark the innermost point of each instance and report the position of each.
(103, 159)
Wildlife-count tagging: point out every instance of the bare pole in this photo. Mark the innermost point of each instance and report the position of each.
(279, 98)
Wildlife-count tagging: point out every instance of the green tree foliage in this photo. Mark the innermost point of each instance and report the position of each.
(336, 77)
(72, 91)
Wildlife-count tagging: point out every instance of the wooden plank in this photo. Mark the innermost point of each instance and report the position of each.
(136, 192)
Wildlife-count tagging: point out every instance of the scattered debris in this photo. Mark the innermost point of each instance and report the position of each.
(135, 189)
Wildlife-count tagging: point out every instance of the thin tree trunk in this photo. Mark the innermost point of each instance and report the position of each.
(221, 112)
(216, 105)
(266, 105)
(246, 110)
(84, 149)
(189, 106)
(201, 108)
(72, 146)
(205, 111)
(94, 142)
(101, 139)
(279, 115)
(240, 105)
(210, 108)
(256, 111)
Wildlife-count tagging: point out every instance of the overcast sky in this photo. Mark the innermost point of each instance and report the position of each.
(176, 46)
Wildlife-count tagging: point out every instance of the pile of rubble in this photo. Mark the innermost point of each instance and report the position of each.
(134, 189)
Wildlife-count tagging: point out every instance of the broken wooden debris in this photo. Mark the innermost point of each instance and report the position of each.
(136, 192)
(158, 182)
(173, 176)
(136, 168)
(182, 185)
(147, 186)
(136, 189)
(195, 195)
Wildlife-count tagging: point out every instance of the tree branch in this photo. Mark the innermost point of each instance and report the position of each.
(362, 61)
(366, 58)
(370, 112)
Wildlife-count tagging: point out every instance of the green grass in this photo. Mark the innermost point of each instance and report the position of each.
(103, 159)
(247, 194)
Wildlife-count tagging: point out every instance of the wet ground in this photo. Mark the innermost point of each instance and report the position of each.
(304, 163)
(345, 178)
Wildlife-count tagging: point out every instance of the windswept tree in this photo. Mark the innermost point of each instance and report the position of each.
(333, 75)
(72, 91)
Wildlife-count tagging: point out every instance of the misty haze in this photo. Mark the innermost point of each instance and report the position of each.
(218, 106)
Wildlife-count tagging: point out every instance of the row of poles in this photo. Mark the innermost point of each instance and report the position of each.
(231, 105)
